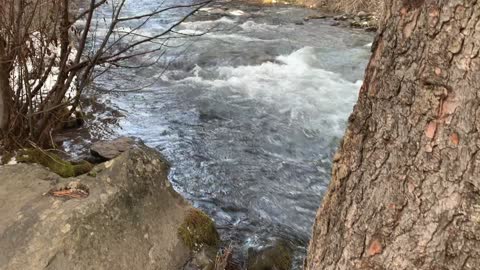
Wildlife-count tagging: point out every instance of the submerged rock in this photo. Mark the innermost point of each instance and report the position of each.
(108, 150)
(123, 215)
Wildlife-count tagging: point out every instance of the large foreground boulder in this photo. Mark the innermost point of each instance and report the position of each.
(123, 215)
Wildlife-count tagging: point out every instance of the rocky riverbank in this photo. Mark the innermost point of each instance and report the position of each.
(123, 214)
(361, 20)
(367, 19)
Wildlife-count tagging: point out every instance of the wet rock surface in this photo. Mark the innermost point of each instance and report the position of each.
(124, 214)
(360, 20)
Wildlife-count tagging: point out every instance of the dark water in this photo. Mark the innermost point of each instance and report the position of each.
(249, 114)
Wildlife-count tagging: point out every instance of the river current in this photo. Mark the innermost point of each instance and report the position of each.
(249, 112)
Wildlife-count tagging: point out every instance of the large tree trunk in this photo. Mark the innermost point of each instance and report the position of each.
(405, 190)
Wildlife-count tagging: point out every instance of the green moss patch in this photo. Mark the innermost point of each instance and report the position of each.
(54, 162)
(283, 258)
(82, 167)
(198, 230)
(278, 256)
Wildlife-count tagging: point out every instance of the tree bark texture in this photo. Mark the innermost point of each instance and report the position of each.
(405, 189)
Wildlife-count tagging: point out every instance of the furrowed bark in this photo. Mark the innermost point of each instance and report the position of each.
(405, 189)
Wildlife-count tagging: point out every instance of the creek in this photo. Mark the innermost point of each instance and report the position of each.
(249, 113)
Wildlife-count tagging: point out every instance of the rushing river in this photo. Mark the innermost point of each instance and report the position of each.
(249, 114)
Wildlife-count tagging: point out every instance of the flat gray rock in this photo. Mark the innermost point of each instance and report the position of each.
(108, 150)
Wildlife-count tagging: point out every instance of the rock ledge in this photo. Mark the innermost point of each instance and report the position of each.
(128, 220)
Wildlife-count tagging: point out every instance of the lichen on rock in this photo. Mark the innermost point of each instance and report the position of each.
(198, 230)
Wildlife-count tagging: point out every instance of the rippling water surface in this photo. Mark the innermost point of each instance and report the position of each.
(249, 114)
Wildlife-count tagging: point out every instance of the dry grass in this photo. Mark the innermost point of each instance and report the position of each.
(352, 6)
(347, 6)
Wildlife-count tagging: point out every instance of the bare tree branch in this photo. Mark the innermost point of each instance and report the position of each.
(45, 63)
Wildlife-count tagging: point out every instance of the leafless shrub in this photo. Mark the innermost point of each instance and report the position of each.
(223, 258)
(353, 6)
(347, 6)
(46, 62)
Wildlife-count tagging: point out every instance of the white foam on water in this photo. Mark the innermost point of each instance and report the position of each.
(220, 35)
(209, 23)
(191, 32)
(237, 12)
(213, 10)
(228, 37)
(253, 26)
(321, 99)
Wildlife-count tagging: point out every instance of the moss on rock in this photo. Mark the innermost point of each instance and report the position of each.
(54, 162)
(278, 256)
(198, 230)
(82, 167)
